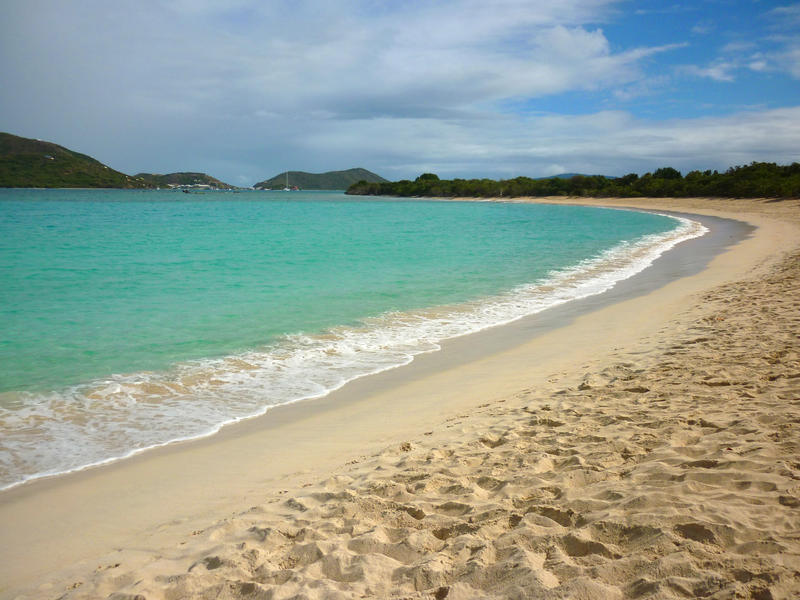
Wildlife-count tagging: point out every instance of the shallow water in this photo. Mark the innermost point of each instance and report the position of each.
(132, 319)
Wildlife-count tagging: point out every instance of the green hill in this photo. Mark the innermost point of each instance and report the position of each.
(183, 180)
(332, 180)
(33, 163)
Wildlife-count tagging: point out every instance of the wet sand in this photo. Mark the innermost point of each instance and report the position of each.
(642, 445)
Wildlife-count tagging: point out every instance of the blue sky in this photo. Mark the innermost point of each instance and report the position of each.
(245, 89)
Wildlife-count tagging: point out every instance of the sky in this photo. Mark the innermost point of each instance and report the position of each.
(246, 89)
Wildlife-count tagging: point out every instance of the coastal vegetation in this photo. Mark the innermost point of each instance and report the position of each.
(26, 162)
(332, 180)
(756, 180)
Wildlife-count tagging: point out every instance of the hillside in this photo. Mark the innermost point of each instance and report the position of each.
(26, 162)
(183, 180)
(332, 180)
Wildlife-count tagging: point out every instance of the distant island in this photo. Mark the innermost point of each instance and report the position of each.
(332, 180)
(184, 180)
(756, 180)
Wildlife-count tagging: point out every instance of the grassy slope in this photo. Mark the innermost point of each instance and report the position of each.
(33, 163)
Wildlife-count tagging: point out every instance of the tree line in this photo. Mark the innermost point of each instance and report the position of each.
(756, 180)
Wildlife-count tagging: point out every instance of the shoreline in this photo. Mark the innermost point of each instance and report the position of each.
(145, 492)
(464, 347)
(504, 308)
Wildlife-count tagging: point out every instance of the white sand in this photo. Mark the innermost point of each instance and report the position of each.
(648, 449)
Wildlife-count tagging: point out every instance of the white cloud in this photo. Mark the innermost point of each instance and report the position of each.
(703, 28)
(784, 59)
(738, 46)
(251, 88)
(611, 142)
(788, 59)
(788, 15)
(774, 53)
(718, 70)
(184, 57)
(642, 88)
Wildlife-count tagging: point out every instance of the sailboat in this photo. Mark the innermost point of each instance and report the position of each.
(294, 188)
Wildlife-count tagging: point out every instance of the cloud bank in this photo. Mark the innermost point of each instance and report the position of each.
(245, 89)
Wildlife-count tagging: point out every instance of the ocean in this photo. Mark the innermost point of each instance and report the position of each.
(135, 319)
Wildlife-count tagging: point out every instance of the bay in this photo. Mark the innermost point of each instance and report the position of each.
(130, 319)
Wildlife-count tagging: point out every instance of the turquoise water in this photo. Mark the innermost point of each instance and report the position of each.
(130, 319)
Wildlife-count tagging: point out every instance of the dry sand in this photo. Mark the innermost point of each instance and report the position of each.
(648, 449)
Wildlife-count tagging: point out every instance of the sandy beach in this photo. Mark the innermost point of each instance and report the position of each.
(647, 447)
